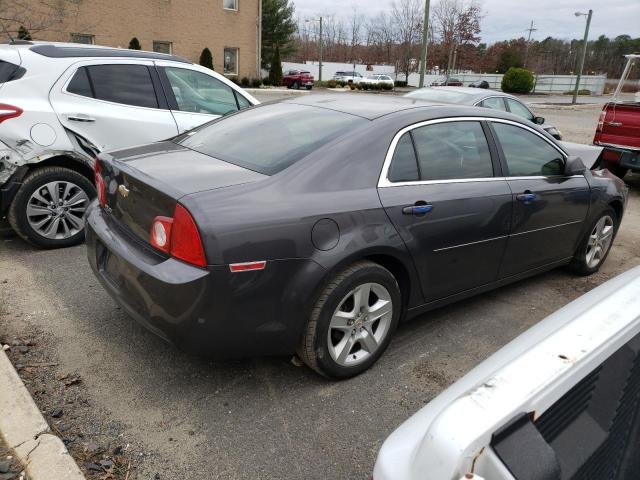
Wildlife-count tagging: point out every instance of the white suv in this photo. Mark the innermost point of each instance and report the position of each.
(61, 104)
(349, 77)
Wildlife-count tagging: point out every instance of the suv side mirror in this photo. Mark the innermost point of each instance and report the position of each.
(538, 120)
(574, 166)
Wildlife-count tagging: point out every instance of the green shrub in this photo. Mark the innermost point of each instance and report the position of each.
(266, 82)
(517, 80)
(245, 82)
(582, 91)
(206, 59)
(400, 83)
(332, 84)
(387, 86)
(352, 86)
(359, 86)
(234, 79)
(342, 83)
(23, 34)
(256, 82)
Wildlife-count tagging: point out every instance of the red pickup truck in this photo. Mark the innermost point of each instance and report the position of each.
(298, 79)
(618, 129)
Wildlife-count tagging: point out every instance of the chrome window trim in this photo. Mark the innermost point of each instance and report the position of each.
(384, 182)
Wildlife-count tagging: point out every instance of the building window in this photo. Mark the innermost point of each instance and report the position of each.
(82, 38)
(231, 61)
(162, 47)
(230, 4)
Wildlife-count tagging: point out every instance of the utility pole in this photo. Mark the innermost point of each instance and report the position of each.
(425, 41)
(320, 39)
(584, 53)
(526, 50)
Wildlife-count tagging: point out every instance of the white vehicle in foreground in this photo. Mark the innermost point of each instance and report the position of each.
(378, 79)
(61, 104)
(560, 401)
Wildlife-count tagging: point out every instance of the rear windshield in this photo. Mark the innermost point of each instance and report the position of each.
(270, 138)
(439, 95)
(10, 71)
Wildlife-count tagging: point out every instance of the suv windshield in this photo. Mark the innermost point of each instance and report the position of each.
(270, 138)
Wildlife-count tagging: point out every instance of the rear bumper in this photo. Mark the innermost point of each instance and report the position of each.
(208, 311)
(626, 157)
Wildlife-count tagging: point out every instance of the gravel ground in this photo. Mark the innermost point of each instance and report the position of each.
(10, 468)
(107, 385)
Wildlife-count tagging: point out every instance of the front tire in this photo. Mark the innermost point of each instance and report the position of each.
(596, 245)
(296, 86)
(352, 321)
(48, 210)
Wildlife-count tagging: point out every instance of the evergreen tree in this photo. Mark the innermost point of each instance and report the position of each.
(134, 44)
(23, 33)
(275, 70)
(206, 59)
(278, 27)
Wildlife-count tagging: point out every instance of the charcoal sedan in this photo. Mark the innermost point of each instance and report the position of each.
(313, 226)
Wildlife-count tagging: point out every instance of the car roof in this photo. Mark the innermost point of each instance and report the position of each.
(77, 50)
(362, 105)
(476, 92)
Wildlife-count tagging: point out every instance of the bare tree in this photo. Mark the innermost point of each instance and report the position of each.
(33, 15)
(407, 20)
(457, 23)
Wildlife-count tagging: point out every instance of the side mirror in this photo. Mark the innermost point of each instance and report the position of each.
(538, 120)
(574, 166)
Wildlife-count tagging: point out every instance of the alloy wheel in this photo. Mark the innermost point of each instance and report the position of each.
(360, 324)
(599, 241)
(56, 210)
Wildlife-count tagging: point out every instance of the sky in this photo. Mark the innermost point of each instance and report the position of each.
(505, 19)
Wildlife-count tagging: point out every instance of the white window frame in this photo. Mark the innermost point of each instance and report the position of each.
(164, 42)
(235, 9)
(224, 70)
(86, 35)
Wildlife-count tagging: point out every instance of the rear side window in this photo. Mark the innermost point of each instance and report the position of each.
(198, 92)
(126, 84)
(519, 109)
(270, 138)
(496, 103)
(10, 71)
(79, 84)
(404, 167)
(452, 150)
(526, 153)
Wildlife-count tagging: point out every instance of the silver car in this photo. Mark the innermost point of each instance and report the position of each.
(62, 104)
(482, 98)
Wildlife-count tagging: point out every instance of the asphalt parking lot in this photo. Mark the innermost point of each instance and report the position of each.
(184, 417)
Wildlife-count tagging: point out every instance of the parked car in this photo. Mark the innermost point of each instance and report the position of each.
(560, 401)
(479, 84)
(315, 224)
(378, 79)
(482, 98)
(618, 129)
(297, 79)
(446, 82)
(61, 104)
(348, 77)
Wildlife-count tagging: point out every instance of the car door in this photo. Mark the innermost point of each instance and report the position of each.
(196, 97)
(113, 104)
(549, 207)
(442, 188)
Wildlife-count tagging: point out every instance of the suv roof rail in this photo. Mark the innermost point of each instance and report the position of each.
(55, 51)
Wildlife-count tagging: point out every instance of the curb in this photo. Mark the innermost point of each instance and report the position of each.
(27, 433)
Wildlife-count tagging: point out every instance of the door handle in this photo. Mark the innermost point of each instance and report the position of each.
(419, 209)
(614, 124)
(80, 117)
(527, 197)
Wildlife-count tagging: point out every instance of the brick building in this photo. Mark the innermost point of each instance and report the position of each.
(229, 28)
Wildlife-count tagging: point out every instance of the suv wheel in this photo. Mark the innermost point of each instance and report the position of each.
(296, 85)
(352, 322)
(48, 210)
(595, 247)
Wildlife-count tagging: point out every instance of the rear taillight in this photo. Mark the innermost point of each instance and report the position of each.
(179, 237)
(9, 111)
(100, 185)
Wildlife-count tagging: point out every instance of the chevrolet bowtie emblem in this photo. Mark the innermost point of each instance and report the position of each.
(124, 191)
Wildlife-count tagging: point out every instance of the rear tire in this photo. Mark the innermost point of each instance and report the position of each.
(614, 168)
(596, 244)
(48, 210)
(296, 86)
(352, 321)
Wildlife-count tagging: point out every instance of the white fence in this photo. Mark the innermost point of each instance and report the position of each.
(542, 83)
(329, 69)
